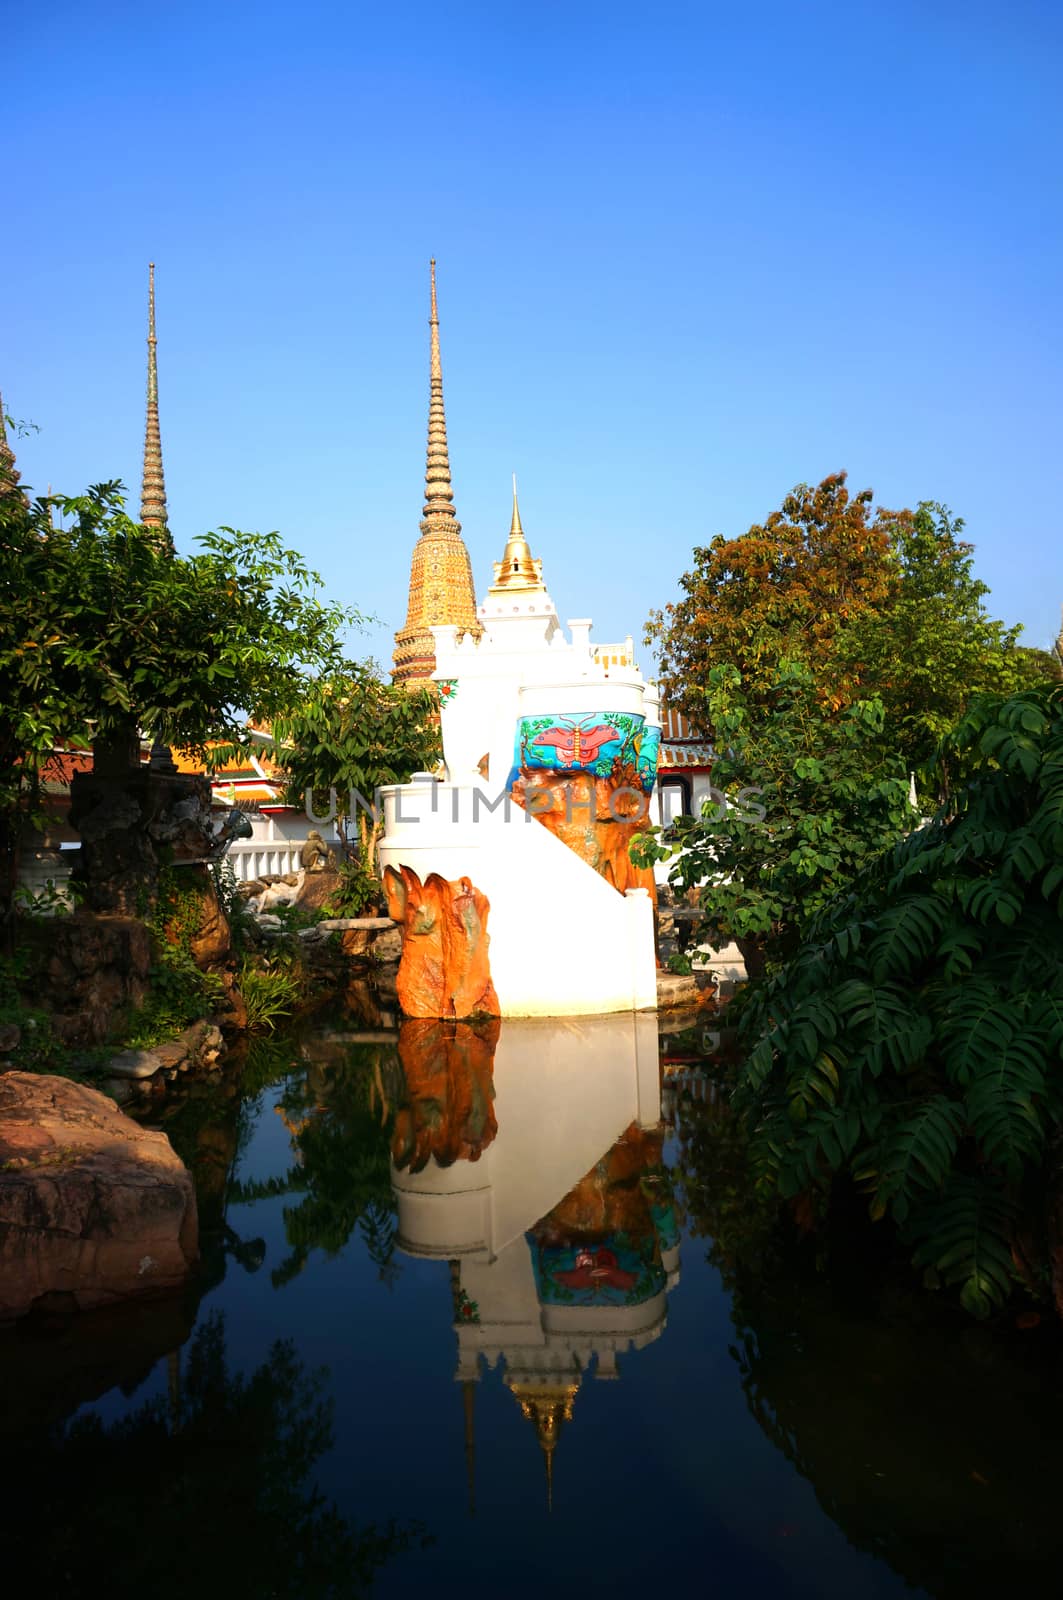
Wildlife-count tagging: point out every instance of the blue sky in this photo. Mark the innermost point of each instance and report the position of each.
(689, 255)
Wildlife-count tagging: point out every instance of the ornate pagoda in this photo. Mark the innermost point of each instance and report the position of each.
(441, 586)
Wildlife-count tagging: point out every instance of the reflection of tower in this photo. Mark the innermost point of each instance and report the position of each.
(441, 587)
(550, 1289)
(546, 1406)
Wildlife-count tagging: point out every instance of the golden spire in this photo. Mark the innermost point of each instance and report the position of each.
(441, 587)
(515, 529)
(518, 568)
(153, 487)
(546, 1405)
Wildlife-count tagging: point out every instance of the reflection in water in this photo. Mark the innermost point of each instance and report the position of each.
(206, 1490)
(544, 1286)
(531, 1164)
(931, 1442)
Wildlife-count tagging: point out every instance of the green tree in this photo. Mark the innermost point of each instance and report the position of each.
(876, 603)
(933, 645)
(781, 590)
(104, 634)
(804, 799)
(352, 733)
(913, 1045)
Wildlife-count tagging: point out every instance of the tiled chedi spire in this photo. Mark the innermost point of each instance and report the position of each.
(441, 587)
(153, 487)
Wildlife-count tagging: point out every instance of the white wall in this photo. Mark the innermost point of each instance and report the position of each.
(563, 941)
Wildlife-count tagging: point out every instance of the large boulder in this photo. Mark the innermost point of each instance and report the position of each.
(93, 1208)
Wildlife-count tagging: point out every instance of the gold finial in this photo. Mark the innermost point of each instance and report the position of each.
(153, 485)
(518, 568)
(547, 1406)
(515, 527)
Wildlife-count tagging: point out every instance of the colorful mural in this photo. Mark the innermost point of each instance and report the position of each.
(617, 1271)
(594, 743)
(602, 1244)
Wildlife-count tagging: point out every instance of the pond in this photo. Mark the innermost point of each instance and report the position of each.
(468, 1319)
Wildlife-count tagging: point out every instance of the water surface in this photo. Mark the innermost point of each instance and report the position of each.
(469, 1319)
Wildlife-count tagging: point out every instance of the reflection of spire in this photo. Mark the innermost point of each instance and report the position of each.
(546, 1405)
(518, 568)
(468, 1395)
(153, 486)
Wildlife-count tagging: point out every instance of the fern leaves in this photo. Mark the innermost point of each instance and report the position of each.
(917, 1045)
(963, 1239)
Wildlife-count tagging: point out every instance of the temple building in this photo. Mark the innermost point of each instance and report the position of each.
(549, 765)
(441, 586)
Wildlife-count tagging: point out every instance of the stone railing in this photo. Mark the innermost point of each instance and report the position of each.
(255, 858)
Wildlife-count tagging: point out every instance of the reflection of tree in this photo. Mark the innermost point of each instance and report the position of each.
(931, 1444)
(342, 1172)
(214, 1497)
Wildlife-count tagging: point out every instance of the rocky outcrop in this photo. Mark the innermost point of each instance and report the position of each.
(93, 1208)
(444, 970)
(131, 819)
(128, 1071)
(94, 968)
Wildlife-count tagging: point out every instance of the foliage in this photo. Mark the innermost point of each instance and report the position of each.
(104, 629)
(51, 900)
(358, 888)
(351, 730)
(781, 590)
(343, 1173)
(913, 1045)
(933, 645)
(232, 902)
(881, 603)
(350, 735)
(271, 989)
(180, 993)
(810, 797)
(229, 1461)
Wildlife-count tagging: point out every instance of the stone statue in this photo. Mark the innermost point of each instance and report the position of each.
(315, 856)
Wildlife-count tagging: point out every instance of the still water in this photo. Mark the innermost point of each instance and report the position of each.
(473, 1319)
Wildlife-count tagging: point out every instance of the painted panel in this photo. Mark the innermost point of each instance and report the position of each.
(592, 743)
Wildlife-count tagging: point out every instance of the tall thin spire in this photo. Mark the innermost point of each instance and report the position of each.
(441, 587)
(514, 526)
(438, 490)
(153, 488)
